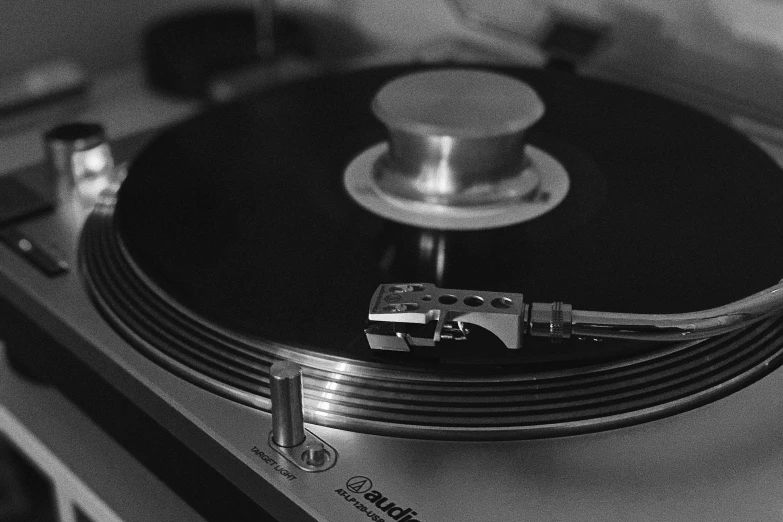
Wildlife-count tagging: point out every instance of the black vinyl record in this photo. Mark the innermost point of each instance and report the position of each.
(241, 215)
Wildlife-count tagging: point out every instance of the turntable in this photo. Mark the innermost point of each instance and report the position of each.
(440, 292)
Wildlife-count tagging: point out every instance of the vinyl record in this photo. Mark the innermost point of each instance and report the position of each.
(242, 217)
(234, 243)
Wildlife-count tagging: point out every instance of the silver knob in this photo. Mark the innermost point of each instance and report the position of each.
(285, 383)
(80, 159)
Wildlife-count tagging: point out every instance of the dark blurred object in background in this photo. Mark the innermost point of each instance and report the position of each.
(185, 54)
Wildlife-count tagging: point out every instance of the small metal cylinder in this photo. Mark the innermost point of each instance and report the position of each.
(79, 158)
(285, 383)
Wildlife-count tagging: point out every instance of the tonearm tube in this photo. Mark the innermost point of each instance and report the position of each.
(421, 314)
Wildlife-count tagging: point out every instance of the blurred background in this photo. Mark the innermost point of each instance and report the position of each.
(693, 49)
(106, 34)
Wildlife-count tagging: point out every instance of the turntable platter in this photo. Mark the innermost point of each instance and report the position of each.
(235, 227)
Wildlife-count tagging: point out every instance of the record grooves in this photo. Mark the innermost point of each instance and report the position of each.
(233, 244)
(407, 401)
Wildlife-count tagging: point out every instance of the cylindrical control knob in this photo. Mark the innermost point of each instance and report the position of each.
(79, 158)
(285, 384)
(553, 320)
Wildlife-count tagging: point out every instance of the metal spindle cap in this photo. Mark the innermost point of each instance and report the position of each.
(456, 136)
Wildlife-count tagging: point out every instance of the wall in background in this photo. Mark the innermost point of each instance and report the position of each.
(727, 46)
(99, 34)
(709, 52)
(719, 27)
